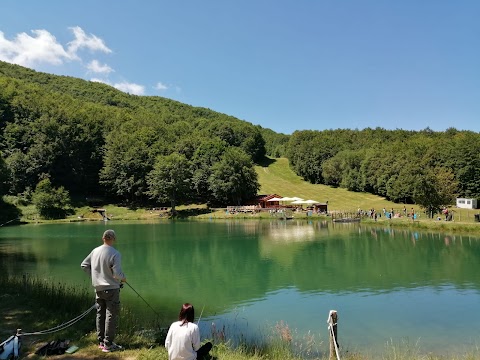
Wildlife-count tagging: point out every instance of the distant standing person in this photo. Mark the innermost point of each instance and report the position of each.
(103, 265)
(183, 337)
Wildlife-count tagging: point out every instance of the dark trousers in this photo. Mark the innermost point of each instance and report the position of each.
(108, 310)
(202, 353)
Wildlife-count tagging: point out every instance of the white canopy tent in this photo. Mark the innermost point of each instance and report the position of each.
(288, 199)
(275, 199)
(299, 202)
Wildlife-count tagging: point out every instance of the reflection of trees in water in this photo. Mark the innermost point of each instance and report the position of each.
(233, 262)
(9, 261)
(220, 264)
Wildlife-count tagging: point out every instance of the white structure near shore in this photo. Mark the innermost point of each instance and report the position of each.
(466, 203)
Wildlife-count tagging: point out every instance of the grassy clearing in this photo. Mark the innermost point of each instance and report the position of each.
(276, 177)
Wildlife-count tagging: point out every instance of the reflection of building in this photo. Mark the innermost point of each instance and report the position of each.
(291, 234)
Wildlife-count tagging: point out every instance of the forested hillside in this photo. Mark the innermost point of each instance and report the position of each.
(96, 141)
(428, 168)
(83, 139)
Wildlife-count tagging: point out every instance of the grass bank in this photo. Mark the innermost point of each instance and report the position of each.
(38, 306)
(35, 305)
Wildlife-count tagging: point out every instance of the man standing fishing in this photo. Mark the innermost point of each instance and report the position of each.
(103, 265)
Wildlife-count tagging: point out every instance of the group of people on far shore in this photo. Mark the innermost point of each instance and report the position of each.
(373, 214)
(103, 265)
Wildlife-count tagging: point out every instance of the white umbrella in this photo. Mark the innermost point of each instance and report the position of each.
(296, 198)
(288, 199)
(305, 202)
(275, 199)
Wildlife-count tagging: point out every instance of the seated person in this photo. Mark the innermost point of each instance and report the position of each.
(183, 337)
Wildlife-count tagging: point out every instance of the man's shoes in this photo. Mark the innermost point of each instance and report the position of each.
(101, 346)
(112, 347)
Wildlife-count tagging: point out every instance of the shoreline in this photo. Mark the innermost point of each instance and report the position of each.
(202, 214)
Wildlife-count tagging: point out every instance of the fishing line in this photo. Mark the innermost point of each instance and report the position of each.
(198, 321)
(140, 296)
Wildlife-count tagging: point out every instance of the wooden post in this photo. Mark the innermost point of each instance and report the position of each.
(332, 332)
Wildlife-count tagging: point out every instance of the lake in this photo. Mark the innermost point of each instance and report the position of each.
(248, 277)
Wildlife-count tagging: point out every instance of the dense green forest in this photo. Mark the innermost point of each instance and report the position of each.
(79, 139)
(96, 141)
(428, 168)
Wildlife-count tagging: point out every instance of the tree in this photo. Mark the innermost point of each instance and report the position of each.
(20, 174)
(170, 179)
(233, 178)
(401, 185)
(332, 171)
(7, 211)
(466, 155)
(51, 203)
(275, 143)
(130, 152)
(239, 134)
(206, 155)
(308, 150)
(4, 175)
(437, 188)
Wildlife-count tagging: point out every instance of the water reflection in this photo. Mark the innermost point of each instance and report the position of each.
(263, 272)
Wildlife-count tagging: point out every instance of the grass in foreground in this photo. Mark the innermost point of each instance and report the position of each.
(38, 305)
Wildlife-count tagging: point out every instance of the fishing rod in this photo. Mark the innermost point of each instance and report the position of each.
(9, 221)
(198, 321)
(140, 296)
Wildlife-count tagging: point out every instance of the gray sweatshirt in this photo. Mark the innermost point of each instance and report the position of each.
(103, 264)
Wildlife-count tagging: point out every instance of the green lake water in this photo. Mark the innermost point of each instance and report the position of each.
(248, 276)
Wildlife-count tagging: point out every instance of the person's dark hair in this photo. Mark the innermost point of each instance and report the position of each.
(187, 313)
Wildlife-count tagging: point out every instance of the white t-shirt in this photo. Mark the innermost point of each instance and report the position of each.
(182, 341)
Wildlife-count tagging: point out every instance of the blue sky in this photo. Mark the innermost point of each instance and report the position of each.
(284, 65)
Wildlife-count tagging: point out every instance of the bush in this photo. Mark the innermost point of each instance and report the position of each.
(51, 203)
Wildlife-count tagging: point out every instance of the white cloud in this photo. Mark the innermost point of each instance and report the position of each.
(130, 88)
(28, 50)
(96, 67)
(83, 40)
(42, 47)
(126, 87)
(161, 87)
(100, 81)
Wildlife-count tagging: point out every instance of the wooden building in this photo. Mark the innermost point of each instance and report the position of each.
(263, 201)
